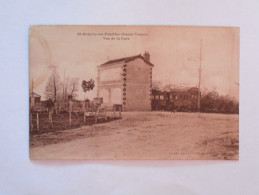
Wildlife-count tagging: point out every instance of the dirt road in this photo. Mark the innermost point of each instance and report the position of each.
(145, 135)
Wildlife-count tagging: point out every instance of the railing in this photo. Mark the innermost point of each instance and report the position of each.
(73, 117)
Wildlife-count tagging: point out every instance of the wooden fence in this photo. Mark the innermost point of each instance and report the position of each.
(73, 117)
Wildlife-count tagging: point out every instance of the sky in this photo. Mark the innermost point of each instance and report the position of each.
(177, 52)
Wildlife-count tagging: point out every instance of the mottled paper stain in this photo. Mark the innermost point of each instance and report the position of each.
(44, 44)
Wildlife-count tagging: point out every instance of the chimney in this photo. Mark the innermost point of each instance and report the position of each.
(147, 56)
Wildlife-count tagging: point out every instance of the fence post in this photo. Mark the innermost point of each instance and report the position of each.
(38, 124)
(70, 110)
(84, 110)
(114, 108)
(31, 122)
(50, 110)
(120, 109)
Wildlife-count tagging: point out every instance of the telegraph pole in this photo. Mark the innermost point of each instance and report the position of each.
(64, 84)
(53, 67)
(199, 85)
(32, 86)
(32, 100)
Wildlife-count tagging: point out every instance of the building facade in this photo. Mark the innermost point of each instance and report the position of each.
(126, 81)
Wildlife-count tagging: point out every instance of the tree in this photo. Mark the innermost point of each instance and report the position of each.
(87, 85)
(70, 87)
(156, 85)
(53, 87)
(73, 87)
(213, 102)
(168, 87)
(65, 88)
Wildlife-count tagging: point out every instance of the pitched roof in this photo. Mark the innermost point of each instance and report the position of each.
(32, 94)
(127, 59)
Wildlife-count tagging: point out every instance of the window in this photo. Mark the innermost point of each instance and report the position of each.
(161, 97)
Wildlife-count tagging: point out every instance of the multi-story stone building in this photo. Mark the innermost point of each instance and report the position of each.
(126, 81)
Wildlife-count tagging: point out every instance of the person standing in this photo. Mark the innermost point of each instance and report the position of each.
(172, 107)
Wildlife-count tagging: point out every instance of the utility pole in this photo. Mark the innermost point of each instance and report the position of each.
(64, 84)
(53, 67)
(32, 86)
(32, 96)
(199, 85)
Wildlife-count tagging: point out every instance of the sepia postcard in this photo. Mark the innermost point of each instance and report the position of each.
(134, 92)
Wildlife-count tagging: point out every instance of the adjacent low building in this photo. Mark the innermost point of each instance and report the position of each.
(34, 99)
(126, 81)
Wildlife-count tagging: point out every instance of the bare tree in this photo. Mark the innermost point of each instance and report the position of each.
(53, 87)
(156, 85)
(65, 88)
(73, 87)
(168, 87)
(213, 102)
(70, 87)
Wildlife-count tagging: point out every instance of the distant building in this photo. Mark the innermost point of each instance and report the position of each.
(126, 81)
(34, 99)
